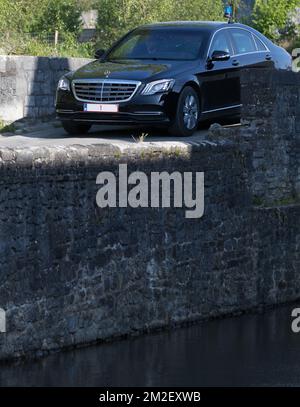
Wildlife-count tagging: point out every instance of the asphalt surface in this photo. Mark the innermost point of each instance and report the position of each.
(47, 135)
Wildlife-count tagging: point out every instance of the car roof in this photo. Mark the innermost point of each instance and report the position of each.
(209, 26)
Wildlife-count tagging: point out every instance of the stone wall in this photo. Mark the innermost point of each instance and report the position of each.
(277, 253)
(271, 133)
(72, 273)
(28, 84)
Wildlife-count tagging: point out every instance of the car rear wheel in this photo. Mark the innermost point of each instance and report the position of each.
(74, 128)
(187, 114)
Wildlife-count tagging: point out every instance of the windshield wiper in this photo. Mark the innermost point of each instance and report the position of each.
(133, 59)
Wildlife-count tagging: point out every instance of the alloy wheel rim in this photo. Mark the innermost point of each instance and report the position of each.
(190, 112)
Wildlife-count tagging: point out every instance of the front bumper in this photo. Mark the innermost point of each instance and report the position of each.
(113, 118)
(154, 109)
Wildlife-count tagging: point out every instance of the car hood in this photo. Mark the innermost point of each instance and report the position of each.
(130, 70)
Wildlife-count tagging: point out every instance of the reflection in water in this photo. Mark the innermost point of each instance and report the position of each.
(245, 351)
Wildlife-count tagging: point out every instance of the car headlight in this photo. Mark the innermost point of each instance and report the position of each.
(64, 84)
(163, 85)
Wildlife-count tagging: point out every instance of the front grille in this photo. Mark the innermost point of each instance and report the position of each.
(104, 91)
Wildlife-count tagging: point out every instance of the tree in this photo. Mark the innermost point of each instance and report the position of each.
(41, 15)
(116, 17)
(25, 26)
(17, 15)
(274, 17)
(61, 15)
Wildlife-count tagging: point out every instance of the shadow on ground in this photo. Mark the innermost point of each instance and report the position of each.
(51, 129)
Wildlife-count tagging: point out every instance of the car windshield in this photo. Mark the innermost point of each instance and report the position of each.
(155, 44)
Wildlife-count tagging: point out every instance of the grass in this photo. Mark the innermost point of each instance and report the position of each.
(69, 47)
(257, 201)
(292, 200)
(140, 138)
(6, 127)
(289, 200)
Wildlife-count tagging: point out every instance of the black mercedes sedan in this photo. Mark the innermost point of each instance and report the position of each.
(172, 75)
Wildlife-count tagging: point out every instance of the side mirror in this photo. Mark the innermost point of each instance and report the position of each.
(99, 53)
(220, 56)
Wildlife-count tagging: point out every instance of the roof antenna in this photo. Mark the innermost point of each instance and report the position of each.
(230, 13)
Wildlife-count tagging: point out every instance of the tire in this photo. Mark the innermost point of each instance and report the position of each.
(187, 113)
(74, 128)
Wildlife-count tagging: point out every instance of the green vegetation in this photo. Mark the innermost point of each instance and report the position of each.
(28, 26)
(257, 201)
(6, 127)
(40, 15)
(140, 137)
(116, 17)
(277, 19)
(289, 200)
(42, 45)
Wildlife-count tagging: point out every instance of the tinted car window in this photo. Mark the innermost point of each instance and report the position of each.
(220, 42)
(260, 45)
(159, 44)
(243, 41)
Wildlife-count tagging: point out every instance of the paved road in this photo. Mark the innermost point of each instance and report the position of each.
(47, 135)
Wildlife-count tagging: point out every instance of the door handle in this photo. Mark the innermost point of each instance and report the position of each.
(268, 57)
(235, 62)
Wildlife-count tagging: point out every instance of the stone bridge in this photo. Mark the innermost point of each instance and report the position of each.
(72, 273)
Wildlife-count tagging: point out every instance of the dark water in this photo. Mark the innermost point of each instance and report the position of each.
(252, 350)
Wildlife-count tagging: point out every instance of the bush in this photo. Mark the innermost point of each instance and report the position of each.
(40, 15)
(27, 27)
(117, 17)
(61, 15)
(40, 18)
(275, 18)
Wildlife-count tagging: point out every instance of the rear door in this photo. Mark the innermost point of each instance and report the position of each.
(221, 85)
(249, 50)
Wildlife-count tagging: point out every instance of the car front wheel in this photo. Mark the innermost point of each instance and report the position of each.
(187, 114)
(76, 128)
